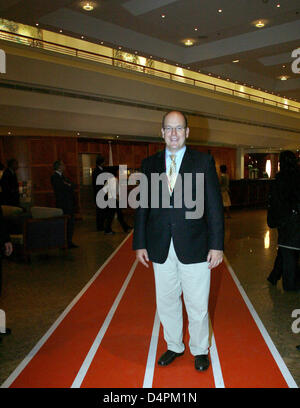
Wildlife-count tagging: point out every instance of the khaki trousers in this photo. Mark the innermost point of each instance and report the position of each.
(173, 278)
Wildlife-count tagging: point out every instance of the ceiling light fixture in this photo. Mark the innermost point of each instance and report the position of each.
(235, 61)
(189, 43)
(163, 16)
(283, 77)
(88, 7)
(196, 29)
(220, 11)
(260, 24)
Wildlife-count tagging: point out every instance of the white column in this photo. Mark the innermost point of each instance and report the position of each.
(240, 163)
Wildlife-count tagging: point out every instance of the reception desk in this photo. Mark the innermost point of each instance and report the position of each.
(249, 192)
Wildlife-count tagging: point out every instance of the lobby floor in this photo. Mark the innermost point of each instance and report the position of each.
(35, 294)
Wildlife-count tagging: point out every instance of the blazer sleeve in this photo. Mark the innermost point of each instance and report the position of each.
(213, 207)
(140, 219)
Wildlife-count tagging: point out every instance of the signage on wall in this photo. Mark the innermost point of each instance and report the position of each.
(296, 63)
(2, 62)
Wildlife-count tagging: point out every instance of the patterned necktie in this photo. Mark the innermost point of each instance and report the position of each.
(172, 173)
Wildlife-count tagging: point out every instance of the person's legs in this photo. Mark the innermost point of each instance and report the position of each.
(276, 272)
(195, 280)
(109, 216)
(100, 215)
(289, 268)
(168, 301)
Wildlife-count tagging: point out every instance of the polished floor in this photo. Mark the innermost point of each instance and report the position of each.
(34, 295)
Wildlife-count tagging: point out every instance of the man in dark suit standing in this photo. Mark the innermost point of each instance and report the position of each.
(100, 212)
(183, 250)
(64, 195)
(10, 185)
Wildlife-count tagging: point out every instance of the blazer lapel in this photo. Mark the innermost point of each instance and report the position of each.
(187, 166)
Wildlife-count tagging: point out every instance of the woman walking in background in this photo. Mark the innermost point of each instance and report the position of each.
(224, 184)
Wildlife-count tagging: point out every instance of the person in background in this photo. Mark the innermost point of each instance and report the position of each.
(65, 198)
(224, 184)
(10, 185)
(2, 168)
(111, 189)
(100, 212)
(284, 214)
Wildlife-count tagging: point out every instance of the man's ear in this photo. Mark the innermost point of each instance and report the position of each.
(187, 132)
(162, 133)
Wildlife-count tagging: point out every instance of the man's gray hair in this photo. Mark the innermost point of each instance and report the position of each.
(56, 164)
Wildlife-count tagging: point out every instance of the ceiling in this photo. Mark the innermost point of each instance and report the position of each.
(220, 37)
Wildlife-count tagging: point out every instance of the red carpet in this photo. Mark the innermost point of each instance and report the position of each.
(119, 338)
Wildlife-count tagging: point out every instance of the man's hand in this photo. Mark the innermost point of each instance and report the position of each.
(142, 256)
(8, 248)
(214, 258)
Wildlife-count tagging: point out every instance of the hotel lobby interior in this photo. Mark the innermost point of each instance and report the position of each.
(79, 79)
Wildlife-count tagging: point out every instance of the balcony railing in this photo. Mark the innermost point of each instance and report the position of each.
(104, 59)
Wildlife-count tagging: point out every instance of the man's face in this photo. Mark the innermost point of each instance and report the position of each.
(174, 132)
(62, 167)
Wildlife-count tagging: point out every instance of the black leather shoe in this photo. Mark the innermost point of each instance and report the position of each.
(201, 362)
(168, 357)
(7, 332)
(272, 280)
(73, 245)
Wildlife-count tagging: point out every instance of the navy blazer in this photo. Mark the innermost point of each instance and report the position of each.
(192, 238)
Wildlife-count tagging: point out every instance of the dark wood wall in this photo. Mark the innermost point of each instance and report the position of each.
(36, 156)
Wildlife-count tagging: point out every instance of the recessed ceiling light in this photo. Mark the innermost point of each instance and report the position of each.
(88, 7)
(260, 24)
(163, 16)
(189, 43)
(37, 24)
(220, 11)
(236, 61)
(283, 77)
(120, 48)
(196, 29)
(60, 31)
(101, 42)
(278, 5)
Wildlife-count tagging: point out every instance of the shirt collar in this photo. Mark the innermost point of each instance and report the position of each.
(179, 153)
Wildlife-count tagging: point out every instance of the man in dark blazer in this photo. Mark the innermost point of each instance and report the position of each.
(183, 250)
(10, 185)
(100, 212)
(65, 198)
